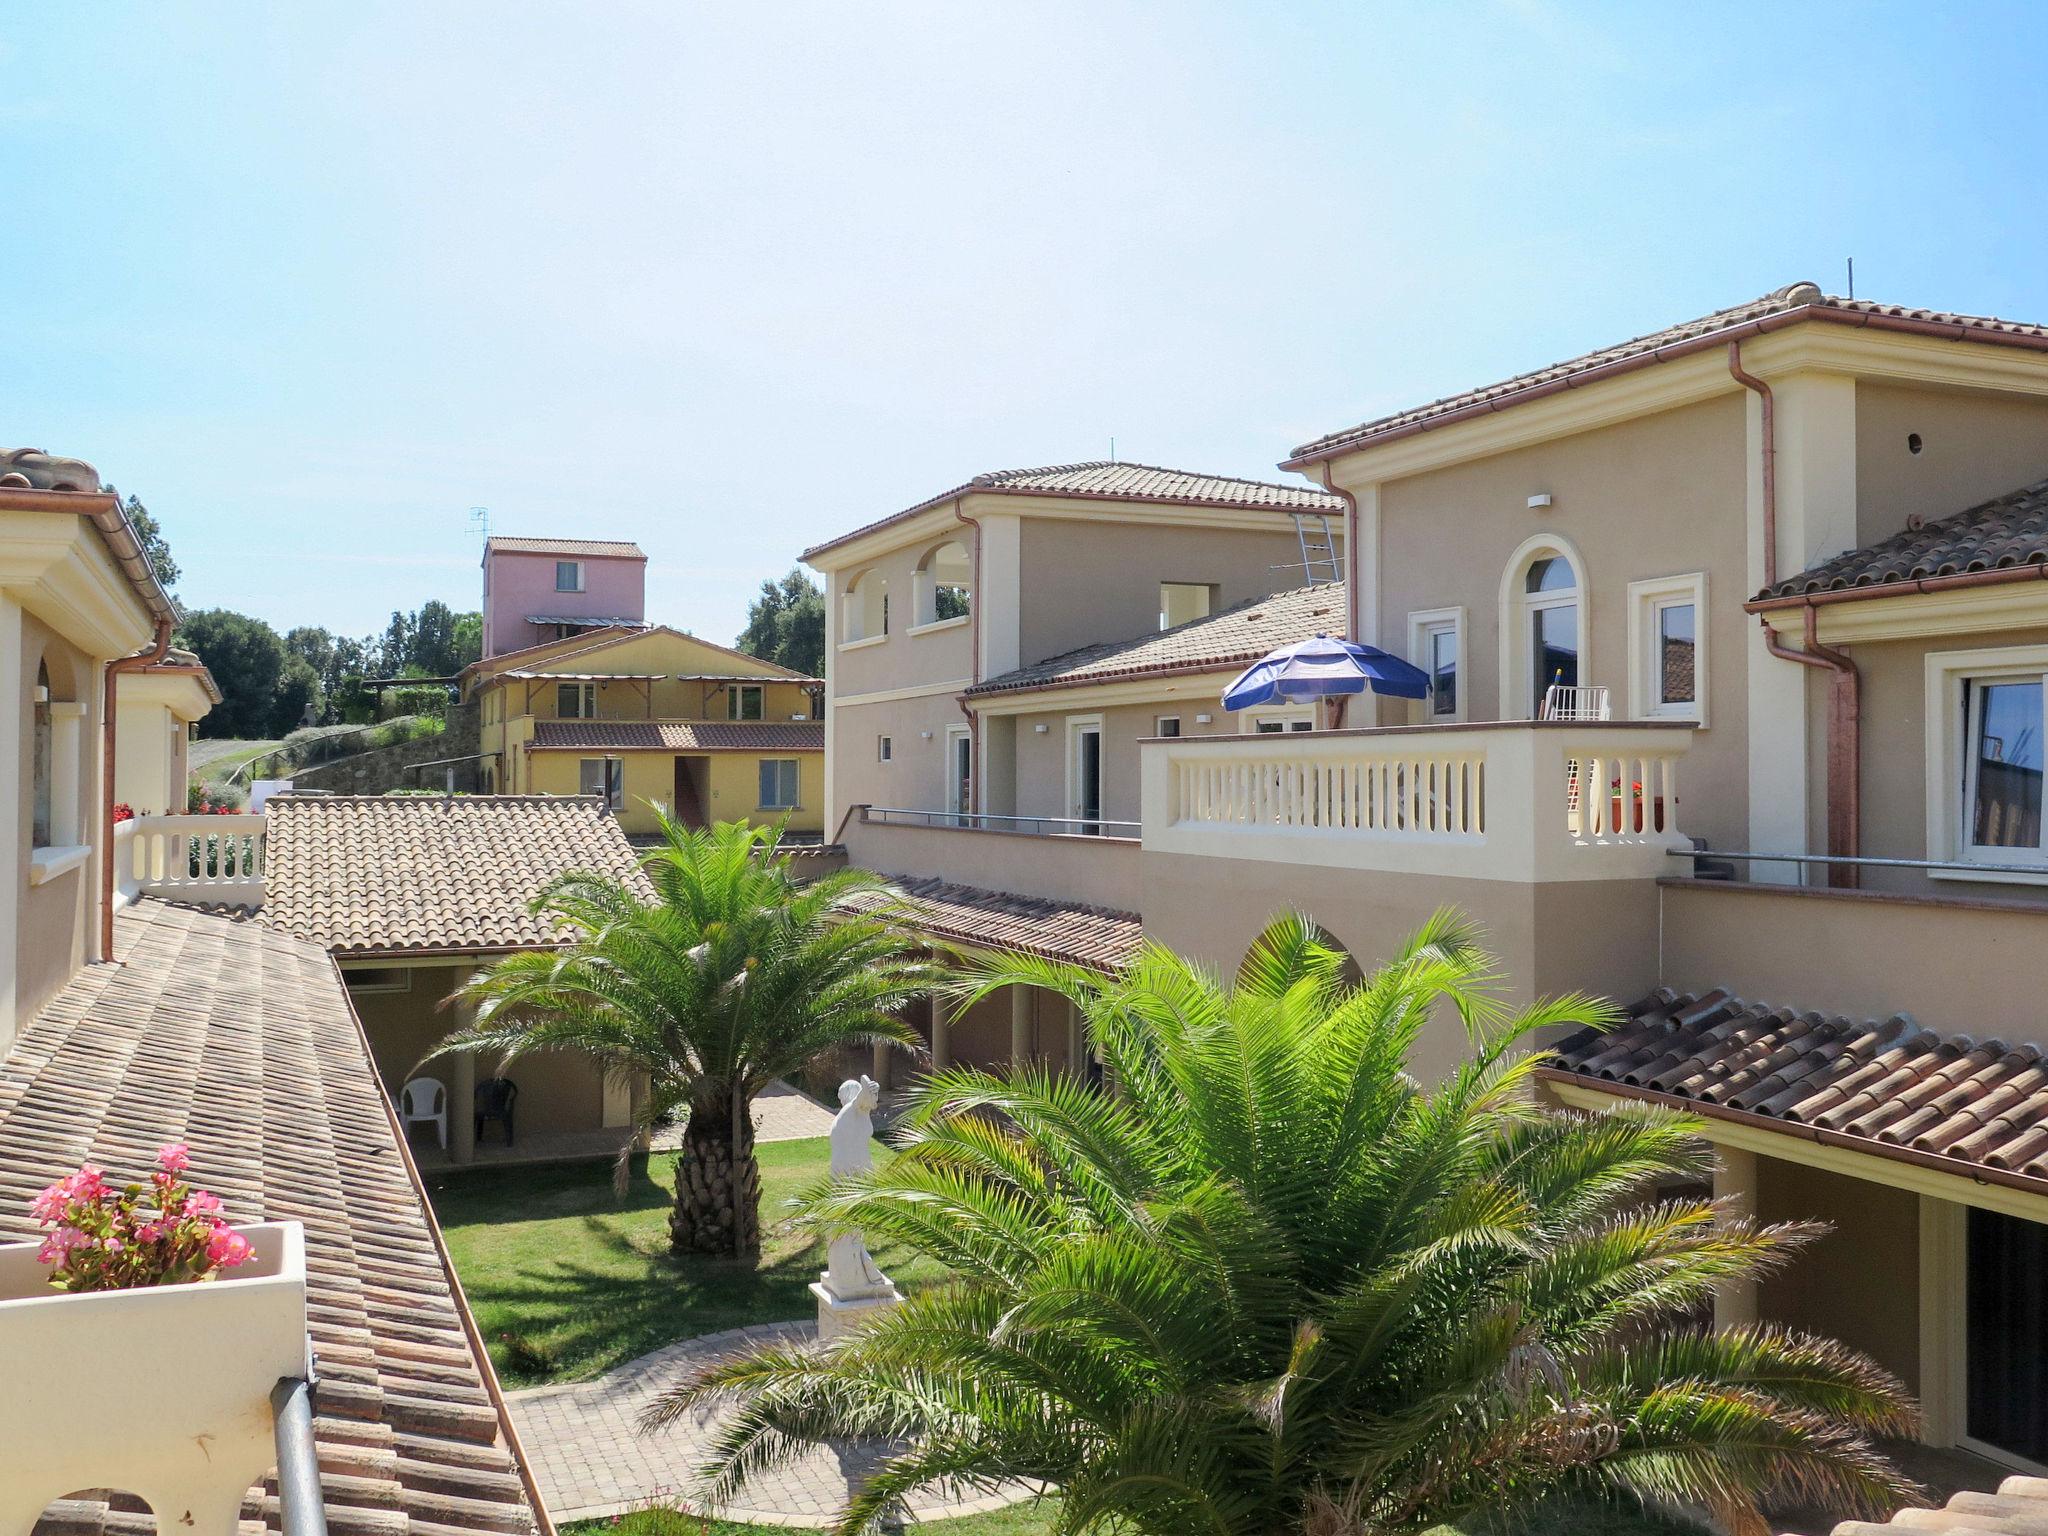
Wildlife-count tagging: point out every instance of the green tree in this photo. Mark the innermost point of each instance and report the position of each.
(298, 698)
(1271, 1284)
(469, 640)
(786, 624)
(247, 660)
(150, 534)
(713, 976)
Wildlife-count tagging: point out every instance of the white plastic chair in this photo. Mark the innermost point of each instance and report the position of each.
(1563, 701)
(425, 1100)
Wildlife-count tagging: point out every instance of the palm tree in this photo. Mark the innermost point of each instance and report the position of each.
(713, 976)
(1271, 1284)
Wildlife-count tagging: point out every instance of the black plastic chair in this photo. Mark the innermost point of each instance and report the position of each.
(496, 1099)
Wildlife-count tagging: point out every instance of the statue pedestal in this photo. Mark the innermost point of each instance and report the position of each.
(836, 1313)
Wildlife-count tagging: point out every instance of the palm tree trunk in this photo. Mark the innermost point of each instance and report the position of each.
(718, 1186)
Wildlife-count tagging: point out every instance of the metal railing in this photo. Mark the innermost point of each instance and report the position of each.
(1960, 866)
(988, 821)
(301, 1508)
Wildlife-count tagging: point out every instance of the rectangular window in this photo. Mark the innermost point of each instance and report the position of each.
(1674, 679)
(883, 747)
(2003, 764)
(2006, 1333)
(743, 702)
(606, 777)
(378, 978)
(1182, 602)
(576, 701)
(778, 783)
(1667, 648)
(568, 575)
(1436, 641)
(1166, 725)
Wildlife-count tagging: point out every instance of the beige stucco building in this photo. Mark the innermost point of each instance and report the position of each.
(1738, 652)
(154, 714)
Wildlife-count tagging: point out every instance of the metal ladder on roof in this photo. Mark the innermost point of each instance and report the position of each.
(1318, 548)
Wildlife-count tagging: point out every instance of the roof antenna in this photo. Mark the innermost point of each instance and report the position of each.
(1112, 450)
(480, 521)
(1852, 277)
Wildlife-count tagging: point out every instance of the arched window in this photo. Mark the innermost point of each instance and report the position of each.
(864, 608)
(1543, 631)
(941, 587)
(43, 777)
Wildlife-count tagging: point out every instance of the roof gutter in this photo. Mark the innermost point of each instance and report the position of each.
(1845, 706)
(103, 509)
(1343, 443)
(114, 669)
(2003, 576)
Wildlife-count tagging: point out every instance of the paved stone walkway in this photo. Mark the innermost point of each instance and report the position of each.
(592, 1461)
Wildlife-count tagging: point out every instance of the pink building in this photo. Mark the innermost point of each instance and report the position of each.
(537, 590)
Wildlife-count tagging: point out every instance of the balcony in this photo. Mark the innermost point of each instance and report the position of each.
(1526, 801)
(1055, 858)
(218, 859)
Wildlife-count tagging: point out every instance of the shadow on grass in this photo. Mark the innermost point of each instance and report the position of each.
(568, 1281)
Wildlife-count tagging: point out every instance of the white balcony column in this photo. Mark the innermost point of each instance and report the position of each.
(1735, 1184)
(1020, 1027)
(1816, 520)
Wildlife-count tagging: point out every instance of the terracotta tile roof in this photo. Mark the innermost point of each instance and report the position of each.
(1098, 937)
(600, 640)
(392, 874)
(1224, 641)
(2007, 532)
(1963, 1103)
(2021, 1504)
(591, 547)
(33, 471)
(241, 1042)
(1107, 480)
(1787, 306)
(179, 662)
(679, 735)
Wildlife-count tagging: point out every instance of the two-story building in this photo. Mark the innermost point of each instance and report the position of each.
(1736, 715)
(645, 717)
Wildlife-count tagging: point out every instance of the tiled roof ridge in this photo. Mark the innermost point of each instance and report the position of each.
(437, 798)
(1969, 1105)
(1980, 538)
(539, 544)
(1081, 664)
(1782, 306)
(1016, 482)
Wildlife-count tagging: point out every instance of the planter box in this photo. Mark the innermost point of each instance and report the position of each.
(162, 1392)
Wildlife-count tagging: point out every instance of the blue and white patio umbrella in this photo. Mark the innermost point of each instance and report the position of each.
(1322, 667)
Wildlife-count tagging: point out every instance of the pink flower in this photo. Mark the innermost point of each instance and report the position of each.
(227, 1248)
(49, 1205)
(149, 1232)
(86, 1184)
(175, 1158)
(201, 1203)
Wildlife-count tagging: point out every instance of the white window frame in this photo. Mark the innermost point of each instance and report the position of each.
(1517, 606)
(885, 749)
(796, 783)
(616, 800)
(402, 984)
(957, 803)
(1078, 726)
(733, 708)
(1289, 717)
(586, 701)
(1951, 778)
(1424, 624)
(574, 565)
(1159, 725)
(1646, 600)
(1945, 1335)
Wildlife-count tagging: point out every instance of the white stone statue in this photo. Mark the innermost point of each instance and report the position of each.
(852, 1284)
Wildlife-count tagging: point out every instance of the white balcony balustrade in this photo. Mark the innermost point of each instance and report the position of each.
(1522, 801)
(192, 858)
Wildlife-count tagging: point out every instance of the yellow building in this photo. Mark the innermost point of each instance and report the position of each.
(653, 717)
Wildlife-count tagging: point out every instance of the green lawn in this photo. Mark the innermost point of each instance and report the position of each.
(568, 1281)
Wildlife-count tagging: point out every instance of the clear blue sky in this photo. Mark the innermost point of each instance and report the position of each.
(314, 280)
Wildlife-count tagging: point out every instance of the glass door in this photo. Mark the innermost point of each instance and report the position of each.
(2006, 1322)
